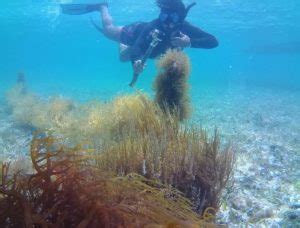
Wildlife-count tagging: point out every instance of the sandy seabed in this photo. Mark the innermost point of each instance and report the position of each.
(264, 124)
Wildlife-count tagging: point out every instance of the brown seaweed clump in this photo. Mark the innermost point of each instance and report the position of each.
(171, 84)
(67, 190)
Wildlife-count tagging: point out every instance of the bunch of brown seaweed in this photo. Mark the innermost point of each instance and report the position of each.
(171, 84)
(133, 134)
(184, 158)
(149, 141)
(67, 190)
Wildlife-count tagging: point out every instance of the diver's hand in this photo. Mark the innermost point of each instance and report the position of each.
(181, 41)
(138, 66)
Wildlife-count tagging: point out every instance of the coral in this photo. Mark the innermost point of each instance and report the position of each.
(66, 190)
(171, 85)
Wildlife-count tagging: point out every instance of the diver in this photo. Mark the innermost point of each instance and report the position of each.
(135, 39)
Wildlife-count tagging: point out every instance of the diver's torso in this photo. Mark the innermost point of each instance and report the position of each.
(165, 38)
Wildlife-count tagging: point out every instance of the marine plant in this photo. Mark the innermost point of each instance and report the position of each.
(171, 85)
(133, 134)
(184, 158)
(67, 190)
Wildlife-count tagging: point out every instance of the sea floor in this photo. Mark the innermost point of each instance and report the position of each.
(263, 124)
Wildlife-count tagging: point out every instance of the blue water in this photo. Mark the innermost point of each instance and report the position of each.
(248, 87)
(259, 45)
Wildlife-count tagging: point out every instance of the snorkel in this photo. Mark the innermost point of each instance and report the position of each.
(187, 9)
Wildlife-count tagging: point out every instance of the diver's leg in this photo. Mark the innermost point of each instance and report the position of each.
(124, 53)
(109, 29)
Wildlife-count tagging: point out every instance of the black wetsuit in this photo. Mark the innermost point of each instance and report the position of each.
(138, 36)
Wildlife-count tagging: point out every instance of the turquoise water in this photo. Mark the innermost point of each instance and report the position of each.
(248, 87)
(259, 44)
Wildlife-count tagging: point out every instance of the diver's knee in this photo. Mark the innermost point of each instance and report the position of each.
(124, 53)
(112, 32)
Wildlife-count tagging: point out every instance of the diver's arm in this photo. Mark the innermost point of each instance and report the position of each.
(199, 38)
(137, 55)
(141, 45)
(139, 49)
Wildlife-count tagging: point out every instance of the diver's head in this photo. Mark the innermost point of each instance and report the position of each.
(172, 13)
